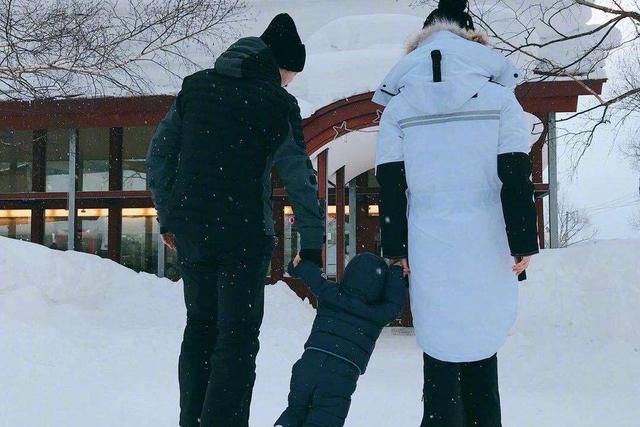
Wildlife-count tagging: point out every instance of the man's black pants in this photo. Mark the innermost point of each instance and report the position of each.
(461, 394)
(224, 295)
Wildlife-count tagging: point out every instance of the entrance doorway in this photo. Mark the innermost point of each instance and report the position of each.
(361, 228)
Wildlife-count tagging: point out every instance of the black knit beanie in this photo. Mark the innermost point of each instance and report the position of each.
(282, 37)
(451, 10)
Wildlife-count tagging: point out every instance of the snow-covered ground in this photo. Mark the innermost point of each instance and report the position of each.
(86, 342)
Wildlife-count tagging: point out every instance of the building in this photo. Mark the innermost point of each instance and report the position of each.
(87, 155)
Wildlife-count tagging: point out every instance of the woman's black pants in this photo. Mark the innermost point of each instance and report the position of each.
(461, 394)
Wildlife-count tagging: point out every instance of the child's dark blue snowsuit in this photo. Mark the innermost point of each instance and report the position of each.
(349, 320)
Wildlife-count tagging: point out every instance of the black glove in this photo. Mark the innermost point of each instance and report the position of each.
(312, 255)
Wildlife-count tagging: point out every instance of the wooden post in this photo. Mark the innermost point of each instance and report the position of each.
(323, 194)
(553, 182)
(114, 233)
(115, 159)
(340, 207)
(367, 227)
(115, 184)
(536, 158)
(72, 220)
(353, 229)
(277, 257)
(38, 182)
(540, 212)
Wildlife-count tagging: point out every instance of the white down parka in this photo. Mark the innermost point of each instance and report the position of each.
(448, 135)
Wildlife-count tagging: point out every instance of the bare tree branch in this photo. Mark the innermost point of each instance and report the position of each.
(64, 48)
(574, 225)
(554, 39)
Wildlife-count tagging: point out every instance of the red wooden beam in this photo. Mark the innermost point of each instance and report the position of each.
(277, 257)
(85, 112)
(540, 212)
(340, 216)
(112, 195)
(38, 182)
(338, 104)
(555, 103)
(344, 126)
(149, 110)
(115, 158)
(541, 189)
(559, 88)
(114, 234)
(37, 224)
(536, 150)
(323, 184)
(323, 119)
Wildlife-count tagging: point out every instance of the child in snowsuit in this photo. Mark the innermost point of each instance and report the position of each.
(350, 317)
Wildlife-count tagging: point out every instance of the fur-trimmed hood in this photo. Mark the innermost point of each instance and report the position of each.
(452, 27)
(468, 62)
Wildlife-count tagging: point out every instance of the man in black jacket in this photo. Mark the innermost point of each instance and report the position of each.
(209, 168)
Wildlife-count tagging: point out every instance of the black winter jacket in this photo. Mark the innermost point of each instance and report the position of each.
(209, 163)
(351, 314)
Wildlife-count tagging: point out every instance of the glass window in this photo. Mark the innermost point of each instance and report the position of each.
(139, 248)
(16, 224)
(93, 236)
(58, 160)
(331, 241)
(93, 149)
(56, 228)
(135, 143)
(292, 237)
(16, 160)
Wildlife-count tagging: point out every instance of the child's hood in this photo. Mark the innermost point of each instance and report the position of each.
(365, 277)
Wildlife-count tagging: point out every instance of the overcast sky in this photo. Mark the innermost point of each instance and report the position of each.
(605, 183)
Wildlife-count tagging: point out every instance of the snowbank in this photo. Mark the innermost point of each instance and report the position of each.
(86, 341)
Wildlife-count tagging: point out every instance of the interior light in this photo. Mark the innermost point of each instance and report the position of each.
(15, 213)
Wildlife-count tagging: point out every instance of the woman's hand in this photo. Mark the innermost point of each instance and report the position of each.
(169, 240)
(521, 264)
(296, 261)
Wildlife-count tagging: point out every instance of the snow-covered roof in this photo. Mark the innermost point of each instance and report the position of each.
(349, 56)
(352, 44)
(534, 24)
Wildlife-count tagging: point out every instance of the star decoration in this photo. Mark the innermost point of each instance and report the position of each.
(378, 116)
(342, 127)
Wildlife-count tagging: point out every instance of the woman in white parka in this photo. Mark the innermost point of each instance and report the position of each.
(457, 200)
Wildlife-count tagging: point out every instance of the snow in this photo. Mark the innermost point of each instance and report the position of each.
(347, 57)
(86, 341)
(359, 41)
(351, 54)
(352, 44)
